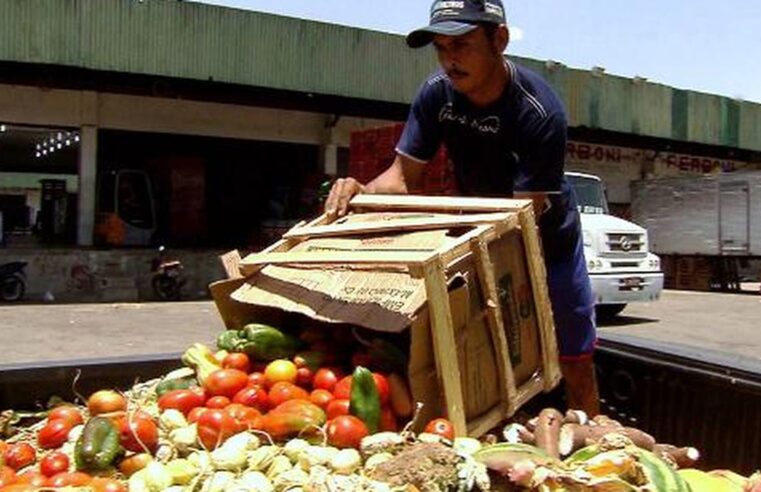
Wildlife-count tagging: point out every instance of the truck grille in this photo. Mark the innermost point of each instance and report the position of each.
(625, 243)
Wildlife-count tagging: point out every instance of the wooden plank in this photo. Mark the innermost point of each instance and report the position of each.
(529, 390)
(444, 343)
(257, 260)
(483, 424)
(538, 274)
(231, 263)
(485, 269)
(461, 246)
(395, 225)
(436, 203)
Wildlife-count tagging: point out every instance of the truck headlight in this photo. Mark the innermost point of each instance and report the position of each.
(594, 265)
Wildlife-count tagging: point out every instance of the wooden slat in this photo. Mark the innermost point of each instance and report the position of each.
(538, 274)
(437, 203)
(461, 246)
(285, 244)
(257, 260)
(231, 263)
(505, 373)
(444, 343)
(396, 225)
(528, 390)
(483, 424)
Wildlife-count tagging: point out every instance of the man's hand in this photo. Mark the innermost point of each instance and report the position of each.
(341, 193)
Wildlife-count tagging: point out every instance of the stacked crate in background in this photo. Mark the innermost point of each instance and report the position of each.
(372, 151)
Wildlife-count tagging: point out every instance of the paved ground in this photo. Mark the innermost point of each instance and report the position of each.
(45, 333)
(704, 322)
(720, 327)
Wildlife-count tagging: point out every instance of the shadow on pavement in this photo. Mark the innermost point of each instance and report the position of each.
(623, 320)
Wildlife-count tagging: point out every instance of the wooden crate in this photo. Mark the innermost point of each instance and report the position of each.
(475, 311)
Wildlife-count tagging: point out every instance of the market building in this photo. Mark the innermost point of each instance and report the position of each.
(125, 124)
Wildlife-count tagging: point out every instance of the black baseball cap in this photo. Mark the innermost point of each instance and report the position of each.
(455, 18)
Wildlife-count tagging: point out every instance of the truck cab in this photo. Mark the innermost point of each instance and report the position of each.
(621, 268)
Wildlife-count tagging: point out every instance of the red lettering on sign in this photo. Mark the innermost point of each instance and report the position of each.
(583, 151)
(570, 149)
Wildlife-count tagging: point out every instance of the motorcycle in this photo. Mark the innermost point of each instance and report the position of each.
(12, 281)
(167, 277)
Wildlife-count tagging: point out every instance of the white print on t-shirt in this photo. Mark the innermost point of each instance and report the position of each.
(488, 124)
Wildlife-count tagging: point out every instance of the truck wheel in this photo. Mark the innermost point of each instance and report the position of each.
(12, 288)
(608, 311)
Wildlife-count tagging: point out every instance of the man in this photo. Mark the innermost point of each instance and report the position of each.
(505, 131)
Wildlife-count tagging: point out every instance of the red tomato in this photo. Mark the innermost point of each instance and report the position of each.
(325, 379)
(388, 420)
(441, 427)
(215, 426)
(19, 455)
(100, 484)
(304, 377)
(195, 413)
(321, 398)
(68, 413)
(342, 391)
(337, 408)
(33, 478)
(7, 476)
(256, 379)
(53, 434)
(254, 397)
(69, 479)
(183, 400)
(54, 463)
(226, 382)
(218, 402)
(381, 383)
(237, 360)
(134, 430)
(284, 391)
(247, 417)
(346, 431)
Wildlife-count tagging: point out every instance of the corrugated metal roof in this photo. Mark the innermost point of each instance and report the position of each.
(202, 42)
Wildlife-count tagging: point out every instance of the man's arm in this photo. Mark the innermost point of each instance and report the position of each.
(403, 174)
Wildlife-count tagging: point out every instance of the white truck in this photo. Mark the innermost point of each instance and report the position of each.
(620, 265)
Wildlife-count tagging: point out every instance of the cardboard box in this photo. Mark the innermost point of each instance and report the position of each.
(464, 278)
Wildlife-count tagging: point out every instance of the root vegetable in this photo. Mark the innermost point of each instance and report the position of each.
(605, 421)
(547, 431)
(575, 436)
(685, 457)
(518, 433)
(576, 417)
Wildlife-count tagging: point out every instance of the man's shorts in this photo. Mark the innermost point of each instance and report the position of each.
(573, 304)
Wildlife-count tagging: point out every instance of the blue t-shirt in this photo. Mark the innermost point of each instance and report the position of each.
(516, 143)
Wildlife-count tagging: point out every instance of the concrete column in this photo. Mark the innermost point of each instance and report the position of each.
(88, 165)
(330, 159)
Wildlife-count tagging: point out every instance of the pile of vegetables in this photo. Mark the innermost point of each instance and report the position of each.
(314, 411)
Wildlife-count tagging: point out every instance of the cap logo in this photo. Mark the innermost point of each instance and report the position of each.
(447, 7)
(494, 10)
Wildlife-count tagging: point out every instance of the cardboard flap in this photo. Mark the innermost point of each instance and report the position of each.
(381, 299)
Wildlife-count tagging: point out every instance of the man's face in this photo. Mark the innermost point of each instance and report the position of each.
(469, 60)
